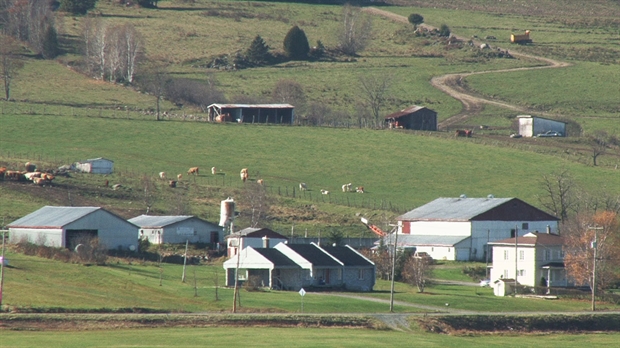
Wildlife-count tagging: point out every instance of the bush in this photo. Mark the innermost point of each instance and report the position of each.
(416, 19)
(296, 44)
(444, 30)
(77, 6)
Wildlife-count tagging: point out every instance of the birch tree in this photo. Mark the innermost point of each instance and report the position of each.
(10, 63)
(356, 30)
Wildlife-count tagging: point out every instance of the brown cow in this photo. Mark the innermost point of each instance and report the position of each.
(193, 170)
(260, 181)
(172, 183)
(179, 176)
(162, 175)
(2, 171)
(359, 189)
(39, 181)
(463, 133)
(30, 167)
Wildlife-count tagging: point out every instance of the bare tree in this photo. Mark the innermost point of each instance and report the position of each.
(289, 91)
(559, 196)
(416, 271)
(10, 63)
(132, 40)
(154, 80)
(374, 91)
(382, 259)
(179, 203)
(27, 21)
(150, 193)
(585, 235)
(600, 141)
(255, 196)
(356, 30)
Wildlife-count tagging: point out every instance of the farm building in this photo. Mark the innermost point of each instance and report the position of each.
(530, 126)
(461, 228)
(414, 117)
(296, 266)
(254, 237)
(69, 226)
(535, 259)
(178, 229)
(95, 166)
(252, 113)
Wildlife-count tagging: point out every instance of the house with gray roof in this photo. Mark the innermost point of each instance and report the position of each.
(68, 226)
(178, 229)
(254, 237)
(461, 228)
(296, 266)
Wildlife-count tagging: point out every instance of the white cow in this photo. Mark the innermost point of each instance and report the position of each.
(162, 175)
(346, 187)
(324, 192)
(303, 186)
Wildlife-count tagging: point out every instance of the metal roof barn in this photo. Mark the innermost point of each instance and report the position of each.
(67, 226)
(414, 117)
(252, 113)
(178, 229)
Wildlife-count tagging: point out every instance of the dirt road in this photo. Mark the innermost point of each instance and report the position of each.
(451, 84)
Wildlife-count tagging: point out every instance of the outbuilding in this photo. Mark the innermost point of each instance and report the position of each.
(178, 229)
(252, 113)
(68, 226)
(95, 166)
(414, 117)
(531, 126)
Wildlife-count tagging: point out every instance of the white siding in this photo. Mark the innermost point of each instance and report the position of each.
(441, 228)
(112, 231)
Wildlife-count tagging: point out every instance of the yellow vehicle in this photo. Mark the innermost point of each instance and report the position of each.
(520, 39)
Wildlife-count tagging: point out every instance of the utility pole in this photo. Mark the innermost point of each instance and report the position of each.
(236, 291)
(2, 268)
(395, 230)
(487, 254)
(185, 260)
(595, 247)
(516, 257)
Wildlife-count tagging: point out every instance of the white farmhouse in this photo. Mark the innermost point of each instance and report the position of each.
(254, 237)
(461, 228)
(535, 259)
(68, 226)
(178, 229)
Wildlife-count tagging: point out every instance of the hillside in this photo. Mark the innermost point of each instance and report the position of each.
(71, 117)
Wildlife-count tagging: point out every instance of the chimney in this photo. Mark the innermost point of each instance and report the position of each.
(265, 242)
(548, 229)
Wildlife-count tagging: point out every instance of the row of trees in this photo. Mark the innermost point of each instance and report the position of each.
(32, 22)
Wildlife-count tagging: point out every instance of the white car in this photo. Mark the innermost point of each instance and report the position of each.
(549, 134)
(485, 282)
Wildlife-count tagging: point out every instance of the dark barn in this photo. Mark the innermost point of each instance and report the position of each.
(414, 117)
(252, 113)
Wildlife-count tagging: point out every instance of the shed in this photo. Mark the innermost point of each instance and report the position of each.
(253, 113)
(530, 126)
(69, 226)
(178, 229)
(414, 117)
(95, 166)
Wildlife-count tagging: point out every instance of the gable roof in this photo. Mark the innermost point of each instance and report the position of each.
(152, 221)
(276, 257)
(313, 254)
(481, 209)
(347, 256)
(253, 106)
(54, 217)
(533, 239)
(256, 233)
(407, 111)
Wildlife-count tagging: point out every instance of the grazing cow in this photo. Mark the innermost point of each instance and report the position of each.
(223, 118)
(162, 175)
(30, 167)
(179, 176)
(172, 183)
(324, 192)
(193, 170)
(359, 189)
(346, 187)
(213, 170)
(116, 186)
(463, 133)
(48, 177)
(106, 183)
(39, 181)
(14, 175)
(244, 174)
(2, 172)
(303, 186)
(260, 181)
(32, 175)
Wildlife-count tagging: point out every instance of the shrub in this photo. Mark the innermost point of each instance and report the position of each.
(444, 30)
(258, 52)
(77, 6)
(416, 19)
(296, 44)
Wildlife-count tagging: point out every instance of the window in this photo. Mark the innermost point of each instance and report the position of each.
(505, 254)
(360, 274)
(505, 273)
(547, 254)
(521, 254)
(521, 272)
(512, 233)
(525, 226)
(561, 254)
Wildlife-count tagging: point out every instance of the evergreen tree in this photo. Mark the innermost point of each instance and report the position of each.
(296, 44)
(444, 30)
(77, 6)
(258, 52)
(49, 47)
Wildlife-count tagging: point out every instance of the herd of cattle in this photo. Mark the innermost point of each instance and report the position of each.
(30, 173)
(45, 177)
